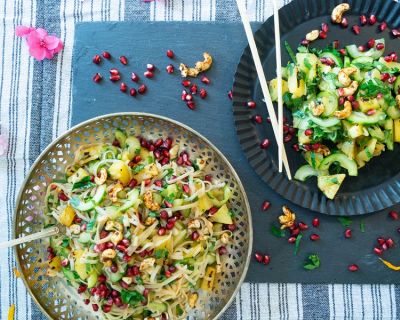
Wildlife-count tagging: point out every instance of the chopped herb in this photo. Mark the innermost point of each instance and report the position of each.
(65, 242)
(137, 151)
(312, 263)
(345, 221)
(302, 49)
(146, 313)
(153, 214)
(85, 183)
(362, 225)
(290, 52)
(90, 224)
(150, 159)
(161, 254)
(131, 297)
(138, 168)
(277, 232)
(139, 280)
(297, 243)
(179, 310)
(195, 166)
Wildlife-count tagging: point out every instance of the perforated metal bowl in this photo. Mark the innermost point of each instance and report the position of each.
(59, 301)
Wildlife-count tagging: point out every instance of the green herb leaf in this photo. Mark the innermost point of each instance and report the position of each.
(85, 183)
(362, 225)
(131, 297)
(65, 243)
(312, 263)
(277, 232)
(290, 52)
(161, 254)
(297, 243)
(345, 221)
(150, 159)
(138, 168)
(179, 310)
(153, 214)
(139, 280)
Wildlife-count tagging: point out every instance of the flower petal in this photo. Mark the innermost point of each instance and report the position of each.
(22, 31)
(49, 54)
(51, 42)
(39, 53)
(41, 32)
(33, 39)
(59, 47)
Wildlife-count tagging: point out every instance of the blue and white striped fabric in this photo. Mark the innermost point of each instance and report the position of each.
(35, 107)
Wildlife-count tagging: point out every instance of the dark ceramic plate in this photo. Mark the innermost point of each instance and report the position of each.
(378, 184)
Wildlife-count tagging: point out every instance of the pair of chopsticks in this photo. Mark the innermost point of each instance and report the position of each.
(277, 124)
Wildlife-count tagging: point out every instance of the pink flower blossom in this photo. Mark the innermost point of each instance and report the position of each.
(41, 45)
(3, 145)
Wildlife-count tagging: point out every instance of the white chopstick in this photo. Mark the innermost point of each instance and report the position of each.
(34, 236)
(279, 82)
(263, 81)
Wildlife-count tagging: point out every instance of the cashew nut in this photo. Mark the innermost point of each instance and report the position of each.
(173, 152)
(75, 229)
(147, 263)
(338, 11)
(149, 203)
(200, 66)
(346, 112)
(101, 177)
(349, 91)
(116, 237)
(313, 35)
(112, 225)
(127, 280)
(108, 254)
(195, 224)
(344, 75)
(317, 109)
(225, 238)
(193, 299)
(287, 219)
(149, 221)
(112, 193)
(324, 150)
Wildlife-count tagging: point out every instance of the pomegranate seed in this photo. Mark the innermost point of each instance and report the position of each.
(188, 97)
(353, 267)
(314, 237)
(356, 29)
(371, 43)
(183, 95)
(295, 232)
(213, 211)
(394, 215)
(266, 259)
(203, 93)
(389, 242)
(232, 227)
(304, 42)
(170, 225)
(381, 241)
(355, 104)
(396, 33)
(95, 307)
(194, 236)
(259, 257)
(287, 138)
(265, 205)
(393, 55)
(363, 20)
(315, 222)
(123, 87)
(208, 178)
(322, 35)
(344, 23)
(142, 89)
(257, 119)
(115, 78)
(388, 58)
(385, 76)
(150, 67)
(106, 55)
(343, 52)
(97, 77)
(303, 226)
(380, 46)
(170, 54)
(149, 74)
(372, 20)
(96, 59)
(384, 246)
(296, 147)
(114, 268)
(341, 101)
(205, 80)
(308, 132)
(361, 48)
(382, 26)
(264, 144)
(191, 105)
(51, 256)
(335, 44)
(114, 72)
(82, 288)
(292, 239)
(222, 250)
(251, 104)
(86, 301)
(350, 98)
(133, 92)
(164, 215)
(327, 61)
(170, 68)
(186, 83)
(123, 60)
(193, 88)
(370, 112)
(106, 308)
(392, 79)
(379, 95)
(134, 77)
(230, 94)
(62, 196)
(324, 27)
(378, 251)
(347, 233)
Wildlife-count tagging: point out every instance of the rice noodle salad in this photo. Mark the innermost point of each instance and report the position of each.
(146, 229)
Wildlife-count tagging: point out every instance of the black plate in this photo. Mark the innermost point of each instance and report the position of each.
(378, 185)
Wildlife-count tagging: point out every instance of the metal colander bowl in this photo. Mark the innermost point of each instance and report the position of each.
(53, 295)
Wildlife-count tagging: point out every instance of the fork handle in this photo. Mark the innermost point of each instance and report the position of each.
(34, 236)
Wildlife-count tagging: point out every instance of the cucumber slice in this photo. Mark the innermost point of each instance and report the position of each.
(396, 86)
(330, 102)
(362, 61)
(84, 237)
(362, 118)
(343, 160)
(353, 51)
(120, 136)
(393, 112)
(338, 60)
(80, 205)
(326, 123)
(305, 172)
(133, 199)
(157, 307)
(347, 62)
(100, 193)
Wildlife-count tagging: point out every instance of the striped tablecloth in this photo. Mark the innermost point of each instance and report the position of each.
(35, 107)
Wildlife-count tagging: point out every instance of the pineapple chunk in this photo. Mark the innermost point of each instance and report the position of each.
(55, 264)
(397, 130)
(80, 267)
(204, 203)
(120, 171)
(208, 280)
(330, 185)
(222, 216)
(67, 216)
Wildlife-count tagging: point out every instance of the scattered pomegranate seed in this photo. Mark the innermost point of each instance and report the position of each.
(170, 68)
(251, 104)
(150, 67)
(381, 241)
(384, 246)
(212, 211)
(106, 55)
(230, 94)
(335, 44)
(148, 74)
(205, 80)
(123, 60)
(295, 232)
(343, 52)
(361, 48)
(370, 112)
(355, 105)
(186, 83)
(97, 77)
(344, 23)
(327, 61)
(51, 256)
(378, 251)
(188, 97)
(385, 76)
(350, 98)
(388, 58)
(356, 29)
(393, 55)
(264, 144)
(322, 35)
(394, 215)
(292, 239)
(314, 237)
(194, 236)
(258, 256)
(115, 78)
(193, 88)
(392, 79)
(308, 132)
(142, 89)
(265, 205)
(389, 242)
(372, 19)
(266, 259)
(382, 26)
(82, 288)
(96, 59)
(347, 233)
(380, 46)
(114, 71)
(268, 119)
(133, 92)
(395, 33)
(303, 226)
(324, 27)
(304, 42)
(161, 231)
(123, 87)
(315, 222)
(315, 146)
(191, 105)
(257, 119)
(296, 147)
(170, 54)
(287, 138)
(106, 308)
(62, 196)
(371, 43)
(95, 307)
(134, 77)
(353, 267)
(363, 20)
(222, 250)
(203, 93)
(398, 230)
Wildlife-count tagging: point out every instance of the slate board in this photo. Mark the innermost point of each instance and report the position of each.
(144, 43)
